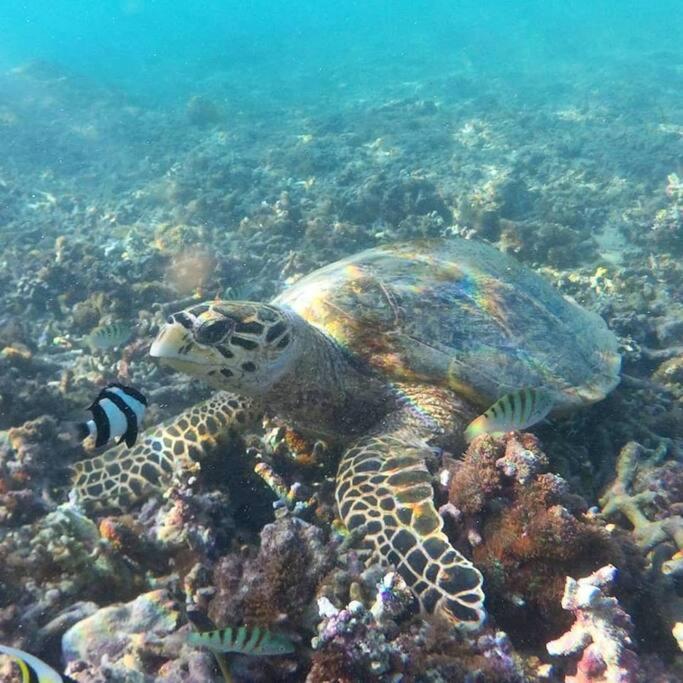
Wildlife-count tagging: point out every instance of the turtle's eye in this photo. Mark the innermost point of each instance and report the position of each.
(182, 318)
(214, 331)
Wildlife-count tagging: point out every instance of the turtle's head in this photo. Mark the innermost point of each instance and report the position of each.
(240, 346)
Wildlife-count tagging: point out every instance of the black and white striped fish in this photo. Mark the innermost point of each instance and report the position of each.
(33, 670)
(516, 410)
(117, 413)
(243, 639)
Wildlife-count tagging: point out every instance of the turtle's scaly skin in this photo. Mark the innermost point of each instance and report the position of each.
(122, 476)
(392, 352)
(385, 488)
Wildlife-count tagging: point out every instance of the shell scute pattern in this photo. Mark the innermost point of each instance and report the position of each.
(461, 314)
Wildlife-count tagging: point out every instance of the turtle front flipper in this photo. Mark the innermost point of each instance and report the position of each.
(384, 486)
(121, 476)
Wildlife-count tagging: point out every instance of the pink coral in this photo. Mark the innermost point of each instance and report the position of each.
(601, 632)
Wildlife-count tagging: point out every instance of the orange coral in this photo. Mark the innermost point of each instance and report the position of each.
(533, 532)
(111, 532)
(476, 479)
(530, 545)
(302, 449)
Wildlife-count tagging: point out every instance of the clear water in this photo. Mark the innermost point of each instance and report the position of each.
(156, 154)
(150, 48)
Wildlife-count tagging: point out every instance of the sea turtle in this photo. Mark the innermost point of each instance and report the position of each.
(391, 351)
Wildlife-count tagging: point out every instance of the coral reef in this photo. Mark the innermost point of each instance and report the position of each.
(667, 226)
(349, 640)
(670, 375)
(601, 634)
(278, 583)
(647, 494)
(241, 188)
(50, 564)
(643, 485)
(383, 643)
(527, 531)
(394, 599)
(134, 641)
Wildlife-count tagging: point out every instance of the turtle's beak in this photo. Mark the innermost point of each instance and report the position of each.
(175, 346)
(172, 337)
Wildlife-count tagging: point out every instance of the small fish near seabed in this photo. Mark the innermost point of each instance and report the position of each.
(244, 640)
(516, 410)
(117, 413)
(32, 669)
(105, 337)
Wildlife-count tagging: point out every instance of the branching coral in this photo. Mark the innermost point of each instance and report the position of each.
(640, 501)
(600, 634)
(647, 493)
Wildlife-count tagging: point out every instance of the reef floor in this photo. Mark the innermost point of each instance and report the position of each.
(116, 212)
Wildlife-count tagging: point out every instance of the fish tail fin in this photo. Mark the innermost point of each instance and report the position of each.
(129, 437)
(476, 427)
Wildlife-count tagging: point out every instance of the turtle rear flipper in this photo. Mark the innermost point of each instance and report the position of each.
(122, 476)
(383, 485)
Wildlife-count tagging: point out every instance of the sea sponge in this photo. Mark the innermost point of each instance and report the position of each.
(528, 532)
(277, 584)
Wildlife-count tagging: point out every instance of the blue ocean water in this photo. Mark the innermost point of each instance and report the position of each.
(158, 48)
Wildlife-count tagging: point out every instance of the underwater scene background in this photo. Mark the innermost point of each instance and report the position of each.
(156, 155)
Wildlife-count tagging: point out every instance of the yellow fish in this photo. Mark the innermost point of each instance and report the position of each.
(243, 639)
(517, 410)
(33, 670)
(105, 337)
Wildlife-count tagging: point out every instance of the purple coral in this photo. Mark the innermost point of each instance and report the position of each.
(278, 583)
(600, 634)
(352, 635)
(394, 598)
(502, 661)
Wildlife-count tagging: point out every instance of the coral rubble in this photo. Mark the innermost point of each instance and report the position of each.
(601, 634)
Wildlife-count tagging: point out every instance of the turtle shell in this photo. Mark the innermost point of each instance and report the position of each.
(461, 314)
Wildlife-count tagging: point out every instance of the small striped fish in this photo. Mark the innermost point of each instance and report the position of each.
(117, 413)
(33, 670)
(105, 337)
(243, 639)
(516, 410)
